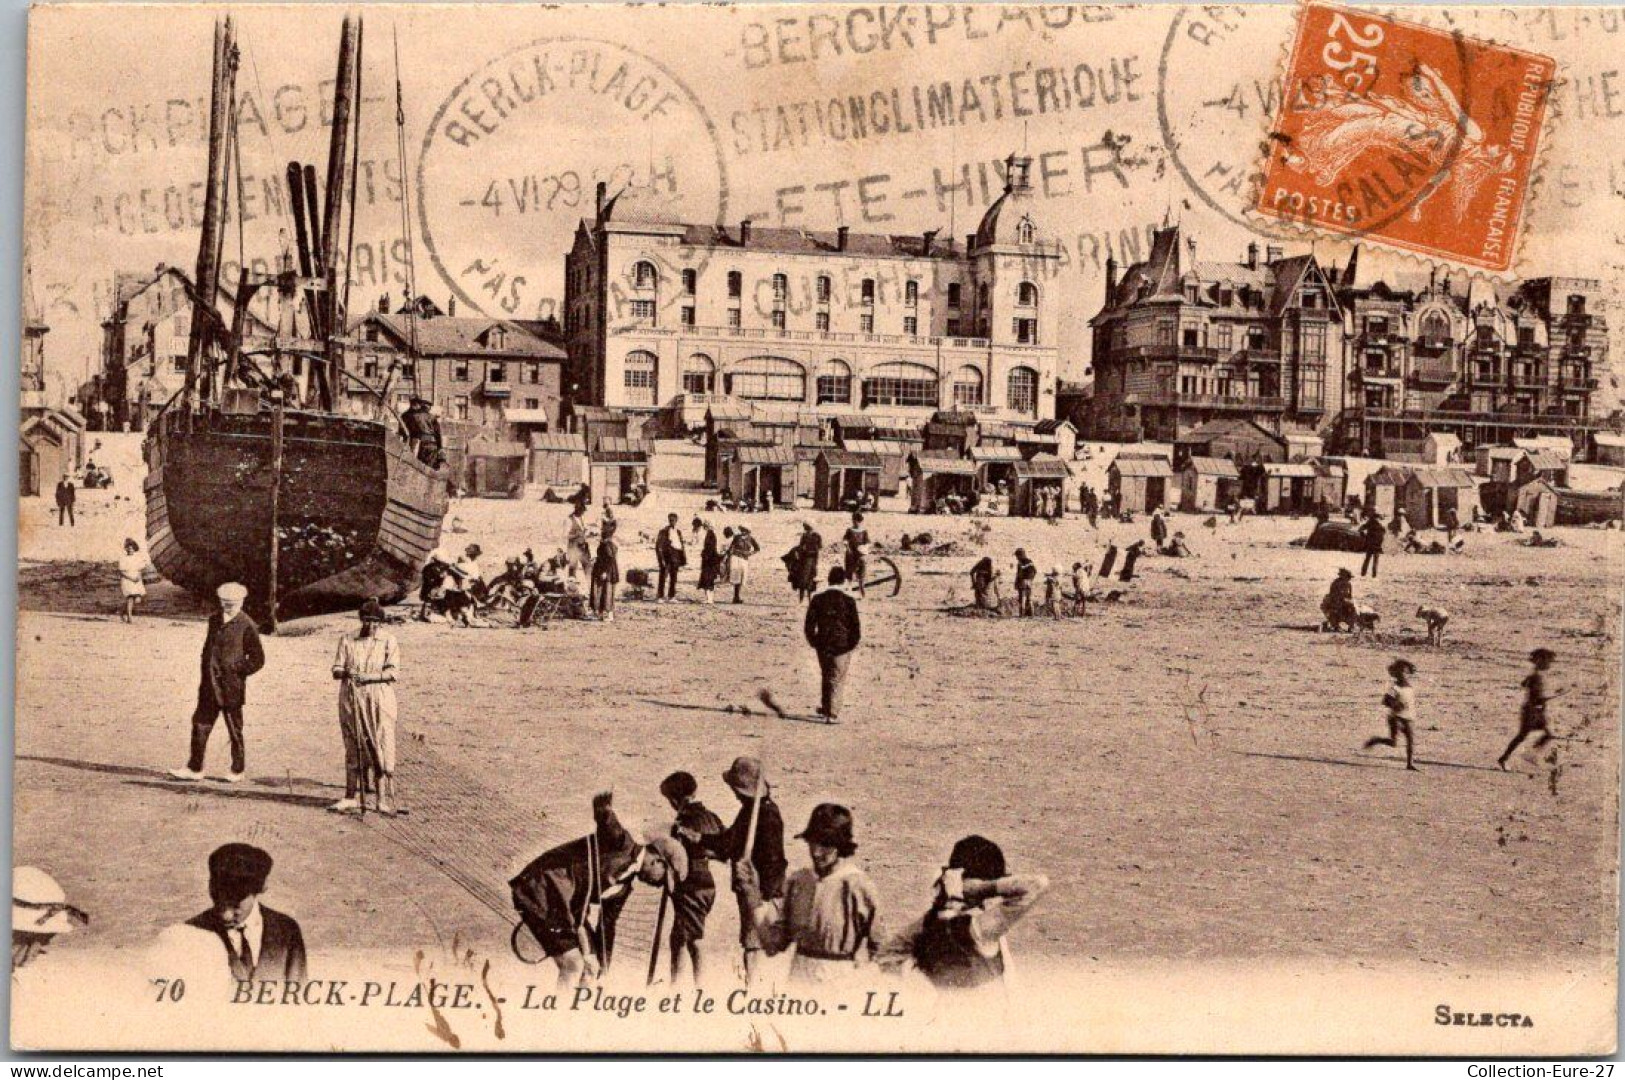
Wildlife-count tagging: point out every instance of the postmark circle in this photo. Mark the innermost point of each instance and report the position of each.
(513, 156)
(1216, 128)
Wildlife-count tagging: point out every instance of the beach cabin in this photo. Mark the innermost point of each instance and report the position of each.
(1058, 437)
(893, 461)
(615, 466)
(1553, 468)
(1289, 488)
(1561, 445)
(1428, 493)
(494, 469)
(1498, 463)
(1537, 502)
(1303, 445)
(597, 422)
(1331, 485)
(1207, 484)
(1608, 448)
(51, 444)
(1382, 490)
(1040, 487)
(1140, 484)
(1238, 440)
(725, 422)
(1441, 448)
(950, 433)
(558, 459)
(934, 478)
(995, 464)
(758, 471)
(841, 476)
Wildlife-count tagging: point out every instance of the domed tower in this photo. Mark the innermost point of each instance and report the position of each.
(1015, 268)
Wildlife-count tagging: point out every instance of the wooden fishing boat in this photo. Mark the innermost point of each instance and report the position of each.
(312, 509)
(356, 513)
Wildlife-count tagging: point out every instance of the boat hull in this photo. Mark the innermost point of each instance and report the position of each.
(357, 513)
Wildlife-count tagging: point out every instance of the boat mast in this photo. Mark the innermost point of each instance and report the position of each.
(338, 168)
(206, 282)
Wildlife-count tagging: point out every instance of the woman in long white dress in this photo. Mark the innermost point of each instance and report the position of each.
(367, 662)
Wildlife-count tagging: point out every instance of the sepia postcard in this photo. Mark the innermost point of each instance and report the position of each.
(880, 529)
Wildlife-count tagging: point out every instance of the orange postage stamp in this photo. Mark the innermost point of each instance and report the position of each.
(1406, 135)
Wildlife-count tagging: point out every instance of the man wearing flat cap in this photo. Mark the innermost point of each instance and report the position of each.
(829, 909)
(255, 942)
(766, 861)
(422, 427)
(231, 653)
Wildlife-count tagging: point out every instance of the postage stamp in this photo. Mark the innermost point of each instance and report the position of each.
(1406, 135)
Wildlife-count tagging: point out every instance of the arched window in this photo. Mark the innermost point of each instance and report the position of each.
(911, 294)
(835, 384)
(766, 378)
(1025, 233)
(900, 383)
(968, 387)
(1435, 327)
(1022, 393)
(1027, 294)
(699, 374)
(641, 368)
(643, 274)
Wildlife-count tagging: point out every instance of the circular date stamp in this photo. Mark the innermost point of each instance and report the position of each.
(514, 156)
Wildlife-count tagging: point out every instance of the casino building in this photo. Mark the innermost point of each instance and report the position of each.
(834, 322)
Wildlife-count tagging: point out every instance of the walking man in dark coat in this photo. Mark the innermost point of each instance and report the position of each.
(672, 554)
(1373, 534)
(231, 653)
(65, 498)
(833, 630)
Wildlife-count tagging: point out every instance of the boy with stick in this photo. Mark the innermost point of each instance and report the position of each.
(754, 840)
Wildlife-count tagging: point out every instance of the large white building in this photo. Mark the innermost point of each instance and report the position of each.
(834, 322)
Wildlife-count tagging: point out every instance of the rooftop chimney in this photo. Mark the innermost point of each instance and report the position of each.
(744, 232)
(1190, 246)
(840, 237)
(383, 304)
(602, 191)
(451, 306)
(1272, 253)
(970, 242)
(1252, 255)
(927, 240)
(1111, 278)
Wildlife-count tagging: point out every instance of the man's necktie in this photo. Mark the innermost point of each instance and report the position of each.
(245, 957)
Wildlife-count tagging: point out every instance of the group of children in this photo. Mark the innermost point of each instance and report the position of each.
(1400, 701)
(828, 912)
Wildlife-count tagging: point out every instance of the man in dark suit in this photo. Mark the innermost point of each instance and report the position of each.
(259, 943)
(231, 653)
(65, 498)
(833, 630)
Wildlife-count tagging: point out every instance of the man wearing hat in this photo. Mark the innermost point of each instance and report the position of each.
(422, 427)
(258, 943)
(39, 912)
(231, 653)
(828, 910)
(366, 665)
(766, 865)
(1532, 717)
(1337, 606)
(960, 942)
(1026, 574)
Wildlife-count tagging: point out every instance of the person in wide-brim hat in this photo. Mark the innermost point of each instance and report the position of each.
(39, 912)
(764, 864)
(1532, 715)
(829, 909)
